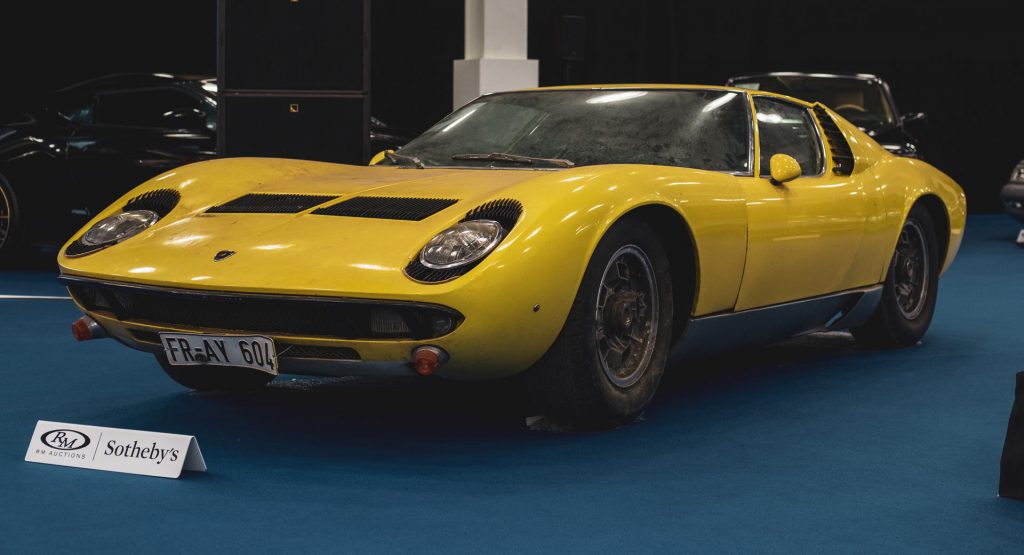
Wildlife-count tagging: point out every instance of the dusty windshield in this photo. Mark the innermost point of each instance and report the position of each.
(704, 129)
(861, 101)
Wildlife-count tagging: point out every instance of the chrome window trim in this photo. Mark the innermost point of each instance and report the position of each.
(741, 92)
(817, 131)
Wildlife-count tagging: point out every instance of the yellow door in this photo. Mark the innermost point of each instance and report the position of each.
(803, 236)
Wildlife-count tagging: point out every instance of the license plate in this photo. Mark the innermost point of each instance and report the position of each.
(248, 351)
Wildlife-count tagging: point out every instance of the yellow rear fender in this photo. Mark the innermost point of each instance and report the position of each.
(904, 183)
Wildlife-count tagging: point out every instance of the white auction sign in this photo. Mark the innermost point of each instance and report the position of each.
(114, 449)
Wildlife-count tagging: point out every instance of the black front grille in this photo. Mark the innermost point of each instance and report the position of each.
(286, 350)
(842, 155)
(263, 314)
(387, 208)
(270, 203)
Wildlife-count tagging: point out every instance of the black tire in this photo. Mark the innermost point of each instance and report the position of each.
(215, 378)
(903, 317)
(571, 383)
(10, 221)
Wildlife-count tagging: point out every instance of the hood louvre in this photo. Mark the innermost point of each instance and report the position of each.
(387, 208)
(270, 203)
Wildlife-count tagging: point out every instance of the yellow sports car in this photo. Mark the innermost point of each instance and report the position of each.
(573, 234)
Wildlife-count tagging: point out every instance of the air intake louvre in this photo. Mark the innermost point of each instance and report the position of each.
(161, 201)
(387, 208)
(270, 203)
(842, 155)
(504, 211)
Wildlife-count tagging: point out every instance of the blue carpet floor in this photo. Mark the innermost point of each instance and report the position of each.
(812, 445)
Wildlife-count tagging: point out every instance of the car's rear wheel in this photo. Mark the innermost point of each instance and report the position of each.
(608, 360)
(215, 378)
(910, 289)
(10, 239)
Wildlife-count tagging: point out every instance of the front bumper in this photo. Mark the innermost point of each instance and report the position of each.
(313, 335)
(1012, 196)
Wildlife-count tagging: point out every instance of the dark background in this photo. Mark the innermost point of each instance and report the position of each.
(962, 64)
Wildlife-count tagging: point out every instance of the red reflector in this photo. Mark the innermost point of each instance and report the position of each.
(80, 329)
(426, 361)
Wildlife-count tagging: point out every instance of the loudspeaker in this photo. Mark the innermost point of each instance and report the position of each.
(294, 79)
(286, 45)
(312, 127)
(1011, 467)
(572, 37)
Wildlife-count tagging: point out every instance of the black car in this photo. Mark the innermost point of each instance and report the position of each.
(864, 100)
(88, 144)
(1013, 193)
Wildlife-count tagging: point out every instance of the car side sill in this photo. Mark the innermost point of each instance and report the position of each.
(718, 333)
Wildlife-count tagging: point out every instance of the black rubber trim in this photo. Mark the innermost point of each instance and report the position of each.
(270, 203)
(387, 208)
(504, 211)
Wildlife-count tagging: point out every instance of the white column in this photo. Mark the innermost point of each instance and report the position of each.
(495, 51)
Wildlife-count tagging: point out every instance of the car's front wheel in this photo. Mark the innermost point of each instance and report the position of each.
(9, 220)
(910, 289)
(215, 378)
(606, 363)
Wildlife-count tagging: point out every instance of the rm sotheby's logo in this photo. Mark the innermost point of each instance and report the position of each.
(65, 440)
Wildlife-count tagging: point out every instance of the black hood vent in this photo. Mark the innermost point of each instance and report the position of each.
(387, 208)
(270, 203)
(842, 155)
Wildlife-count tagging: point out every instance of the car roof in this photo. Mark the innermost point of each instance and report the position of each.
(130, 81)
(857, 76)
(667, 86)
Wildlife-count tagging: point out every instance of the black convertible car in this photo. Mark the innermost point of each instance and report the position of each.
(864, 100)
(87, 144)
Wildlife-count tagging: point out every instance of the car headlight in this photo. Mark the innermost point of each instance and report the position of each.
(1018, 173)
(119, 227)
(461, 244)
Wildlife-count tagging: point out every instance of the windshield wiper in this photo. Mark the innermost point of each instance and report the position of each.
(505, 157)
(395, 158)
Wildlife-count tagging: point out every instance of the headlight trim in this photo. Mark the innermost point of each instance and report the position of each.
(504, 211)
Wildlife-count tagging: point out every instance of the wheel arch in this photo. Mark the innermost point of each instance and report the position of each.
(677, 237)
(940, 219)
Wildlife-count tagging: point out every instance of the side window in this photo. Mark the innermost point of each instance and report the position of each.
(159, 108)
(785, 128)
(76, 108)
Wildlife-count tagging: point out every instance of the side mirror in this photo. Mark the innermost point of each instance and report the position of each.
(380, 157)
(914, 116)
(783, 168)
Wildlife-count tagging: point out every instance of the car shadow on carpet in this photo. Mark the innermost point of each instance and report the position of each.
(440, 423)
